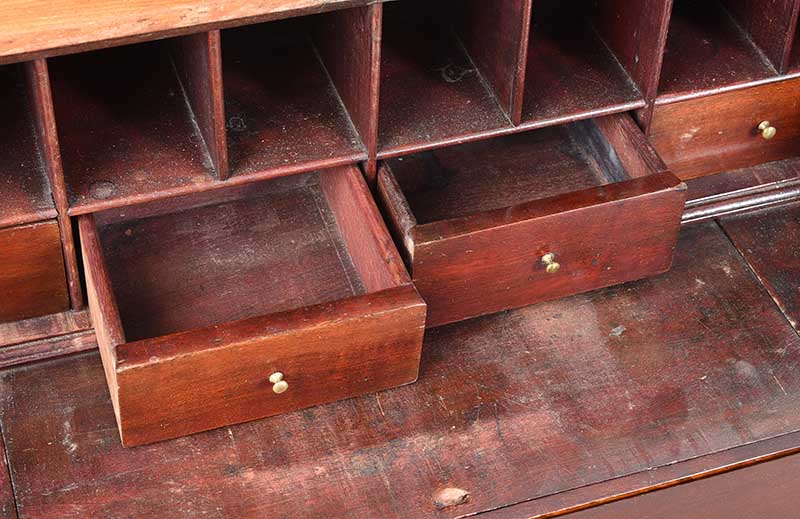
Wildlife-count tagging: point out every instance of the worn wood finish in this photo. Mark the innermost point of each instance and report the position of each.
(640, 51)
(214, 298)
(570, 71)
(476, 220)
(198, 62)
(32, 279)
(74, 25)
(770, 23)
(500, 53)
(48, 348)
(349, 42)
(707, 52)
(37, 328)
(111, 146)
(431, 93)
(742, 190)
(719, 133)
(767, 490)
(532, 408)
(283, 111)
(24, 189)
(768, 240)
(8, 508)
(40, 96)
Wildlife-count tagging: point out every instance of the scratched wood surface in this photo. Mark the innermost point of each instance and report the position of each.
(508, 408)
(769, 242)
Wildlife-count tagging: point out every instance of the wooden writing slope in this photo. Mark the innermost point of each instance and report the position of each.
(258, 207)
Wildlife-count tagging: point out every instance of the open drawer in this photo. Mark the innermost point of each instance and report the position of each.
(233, 305)
(507, 222)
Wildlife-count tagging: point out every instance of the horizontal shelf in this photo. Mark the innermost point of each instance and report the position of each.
(707, 51)
(125, 133)
(25, 195)
(74, 25)
(431, 92)
(282, 109)
(571, 73)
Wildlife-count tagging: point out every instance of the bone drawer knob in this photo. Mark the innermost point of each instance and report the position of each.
(278, 384)
(550, 263)
(767, 130)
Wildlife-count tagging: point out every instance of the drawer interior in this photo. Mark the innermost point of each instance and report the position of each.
(503, 172)
(124, 124)
(24, 188)
(576, 55)
(430, 88)
(282, 106)
(251, 251)
(708, 48)
(794, 57)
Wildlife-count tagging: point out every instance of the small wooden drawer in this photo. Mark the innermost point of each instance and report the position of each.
(507, 222)
(239, 304)
(706, 135)
(32, 278)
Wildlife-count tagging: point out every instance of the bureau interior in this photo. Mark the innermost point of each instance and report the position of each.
(581, 57)
(124, 124)
(247, 251)
(707, 48)
(498, 173)
(283, 106)
(24, 188)
(794, 58)
(431, 88)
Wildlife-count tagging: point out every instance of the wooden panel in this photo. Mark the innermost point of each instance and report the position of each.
(768, 240)
(48, 348)
(540, 400)
(570, 72)
(503, 267)
(771, 25)
(8, 509)
(198, 62)
(37, 328)
(767, 491)
(283, 111)
(128, 132)
(32, 279)
(427, 80)
(712, 134)
(706, 52)
(24, 189)
(496, 37)
(73, 25)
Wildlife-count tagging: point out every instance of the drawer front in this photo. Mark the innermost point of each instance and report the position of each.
(721, 132)
(267, 366)
(594, 246)
(32, 277)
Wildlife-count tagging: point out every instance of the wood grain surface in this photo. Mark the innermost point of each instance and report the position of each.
(540, 400)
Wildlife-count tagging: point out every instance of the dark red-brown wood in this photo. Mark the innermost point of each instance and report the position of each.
(571, 73)
(198, 63)
(707, 52)
(283, 111)
(770, 23)
(717, 133)
(196, 308)
(476, 220)
(768, 240)
(512, 407)
(431, 92)
(36, 328)
(8, 508)
(32, 279)
(24, 188)
(125, 133)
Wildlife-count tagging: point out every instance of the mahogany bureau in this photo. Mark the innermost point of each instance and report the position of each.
(259, 207)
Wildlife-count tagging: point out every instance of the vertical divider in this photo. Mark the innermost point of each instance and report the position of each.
(640, 51)
(770, 24)
(496, 35)
(40, 95)
(198, 63)
(349, 44)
